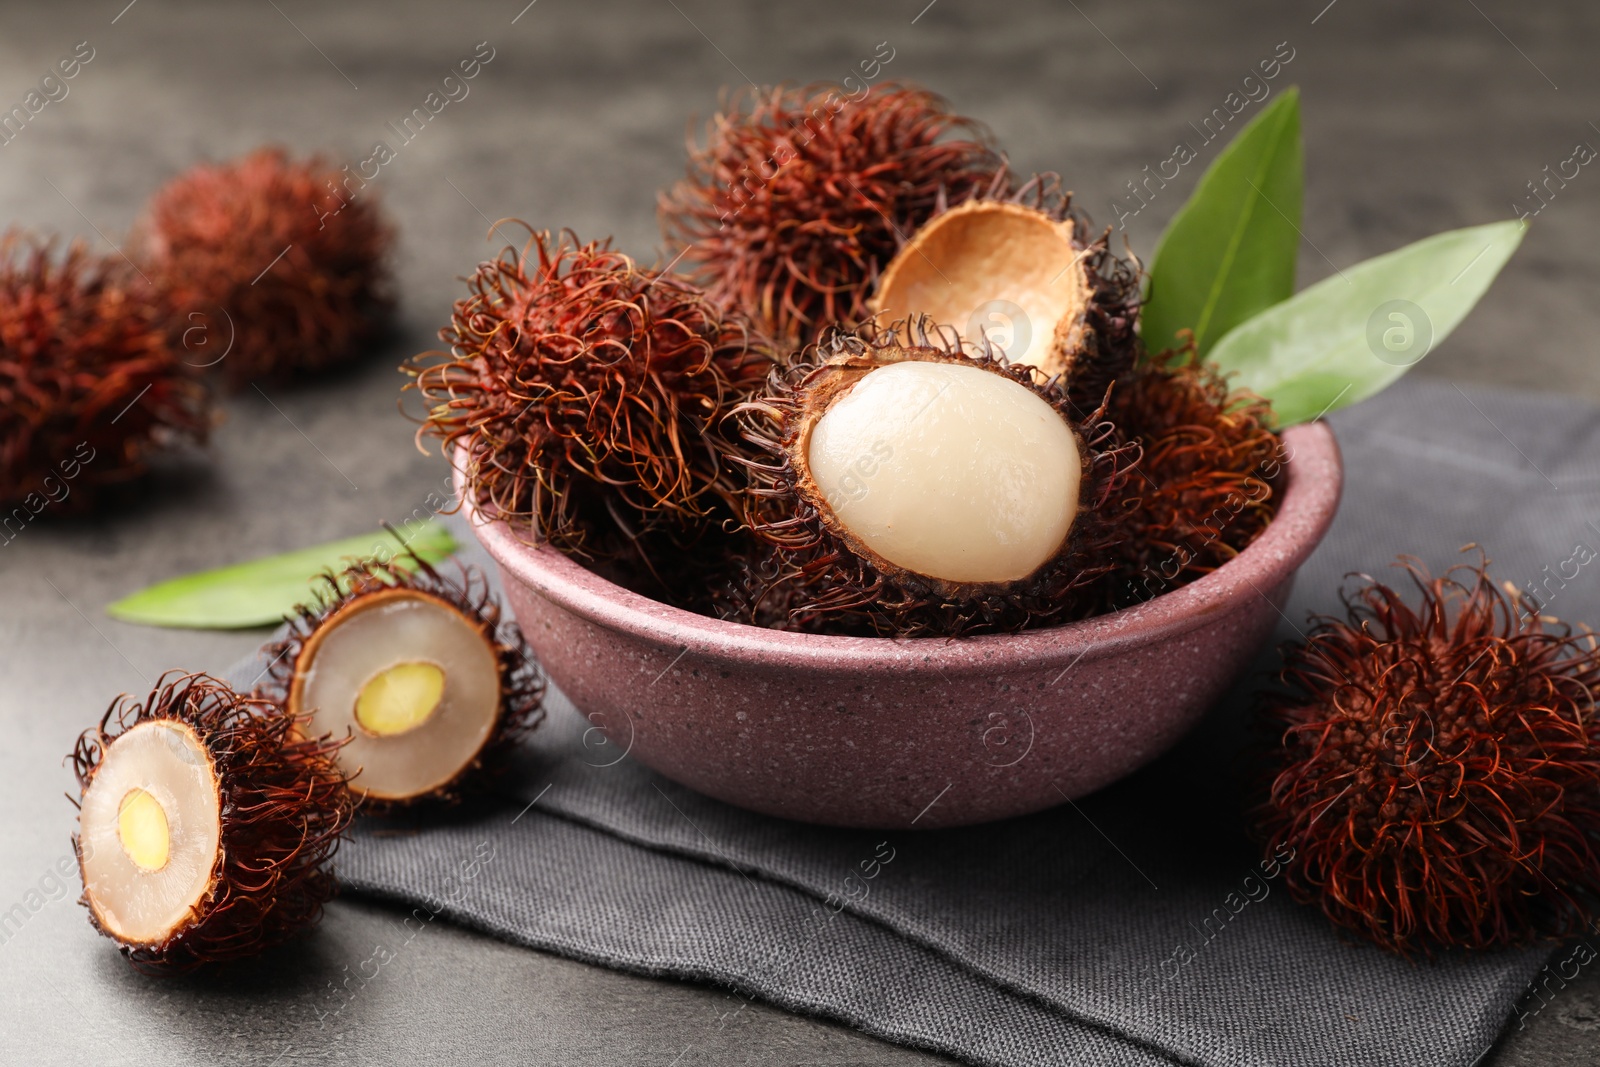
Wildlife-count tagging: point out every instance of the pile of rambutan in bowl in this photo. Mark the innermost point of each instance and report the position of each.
(795, 527)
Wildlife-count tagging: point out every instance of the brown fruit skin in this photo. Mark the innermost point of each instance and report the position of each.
(1102, 347)
(89, 387)
(522, 680)
(1436, 769)
(283, 808)
(1208, 480)
(213, 238)
(827, 580)
(799, 197)
(587, 394)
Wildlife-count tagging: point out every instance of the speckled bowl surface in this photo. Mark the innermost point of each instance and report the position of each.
(864, 731)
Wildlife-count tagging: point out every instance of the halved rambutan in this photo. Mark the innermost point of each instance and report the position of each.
(800, 196)
(1026, 263)
(585, 394)
(417, 670)
(204, 827)
(928, 487)
(1207, 478)
(89, 387)
(1436, 768)
(273, 267)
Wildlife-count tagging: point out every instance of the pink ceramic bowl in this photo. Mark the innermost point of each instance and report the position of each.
(862, 731)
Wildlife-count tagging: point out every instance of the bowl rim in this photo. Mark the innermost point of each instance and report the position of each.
(1313, 471)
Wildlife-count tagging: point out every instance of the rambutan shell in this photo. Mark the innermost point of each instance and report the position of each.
(1001, 255)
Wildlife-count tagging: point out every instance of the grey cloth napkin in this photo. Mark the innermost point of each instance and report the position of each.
(1138, 926)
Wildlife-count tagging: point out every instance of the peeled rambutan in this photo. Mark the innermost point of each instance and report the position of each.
(276, 267)
(586, 395)
(1026, 263)
(799, 196)
(1436, 769)
(89, 387)
(417, 670)
(1206, 485)
(204, 827)
(927, 486)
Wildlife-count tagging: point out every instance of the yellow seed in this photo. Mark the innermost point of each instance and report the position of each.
(399, 698)
(142, 828)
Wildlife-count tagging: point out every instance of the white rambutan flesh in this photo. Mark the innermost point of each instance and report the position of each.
(948, 470)
(150, 831)
(414, 683)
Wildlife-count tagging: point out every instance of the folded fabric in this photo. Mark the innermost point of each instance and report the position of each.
(1138, 926)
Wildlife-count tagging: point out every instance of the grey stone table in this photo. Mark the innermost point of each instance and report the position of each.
(1419, 115)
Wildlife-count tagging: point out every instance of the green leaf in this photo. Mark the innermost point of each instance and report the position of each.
(264, 591)
(1353, 333)
(1230, 251)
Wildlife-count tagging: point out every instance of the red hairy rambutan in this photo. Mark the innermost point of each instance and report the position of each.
(88, 384)
(204, 824)
(1205, 487)
(270, 267)
(586, 392)
(1437, 769)
(800, 196)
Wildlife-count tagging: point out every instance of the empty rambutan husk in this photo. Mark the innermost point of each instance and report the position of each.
(271, 268)
(417, 670)
(919, 485)
(204, 826)
(1206, 484)
(799, 196)
(1028, 262)
(1436, 768)
(89, 387)
(585, 395)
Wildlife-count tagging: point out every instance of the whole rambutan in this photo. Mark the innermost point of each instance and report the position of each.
(1205, 488)
(271, 268)
(88, 384)
(924, 485)
(799, 196)
(204, 825)
(586, 395)
(1436, 768)
(418, 670)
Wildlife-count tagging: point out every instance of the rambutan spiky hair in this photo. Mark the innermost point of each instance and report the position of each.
(799, 196)
(585, 394)
(1436, 768)
(89, 387)
(274, 255)
(1208, 479)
